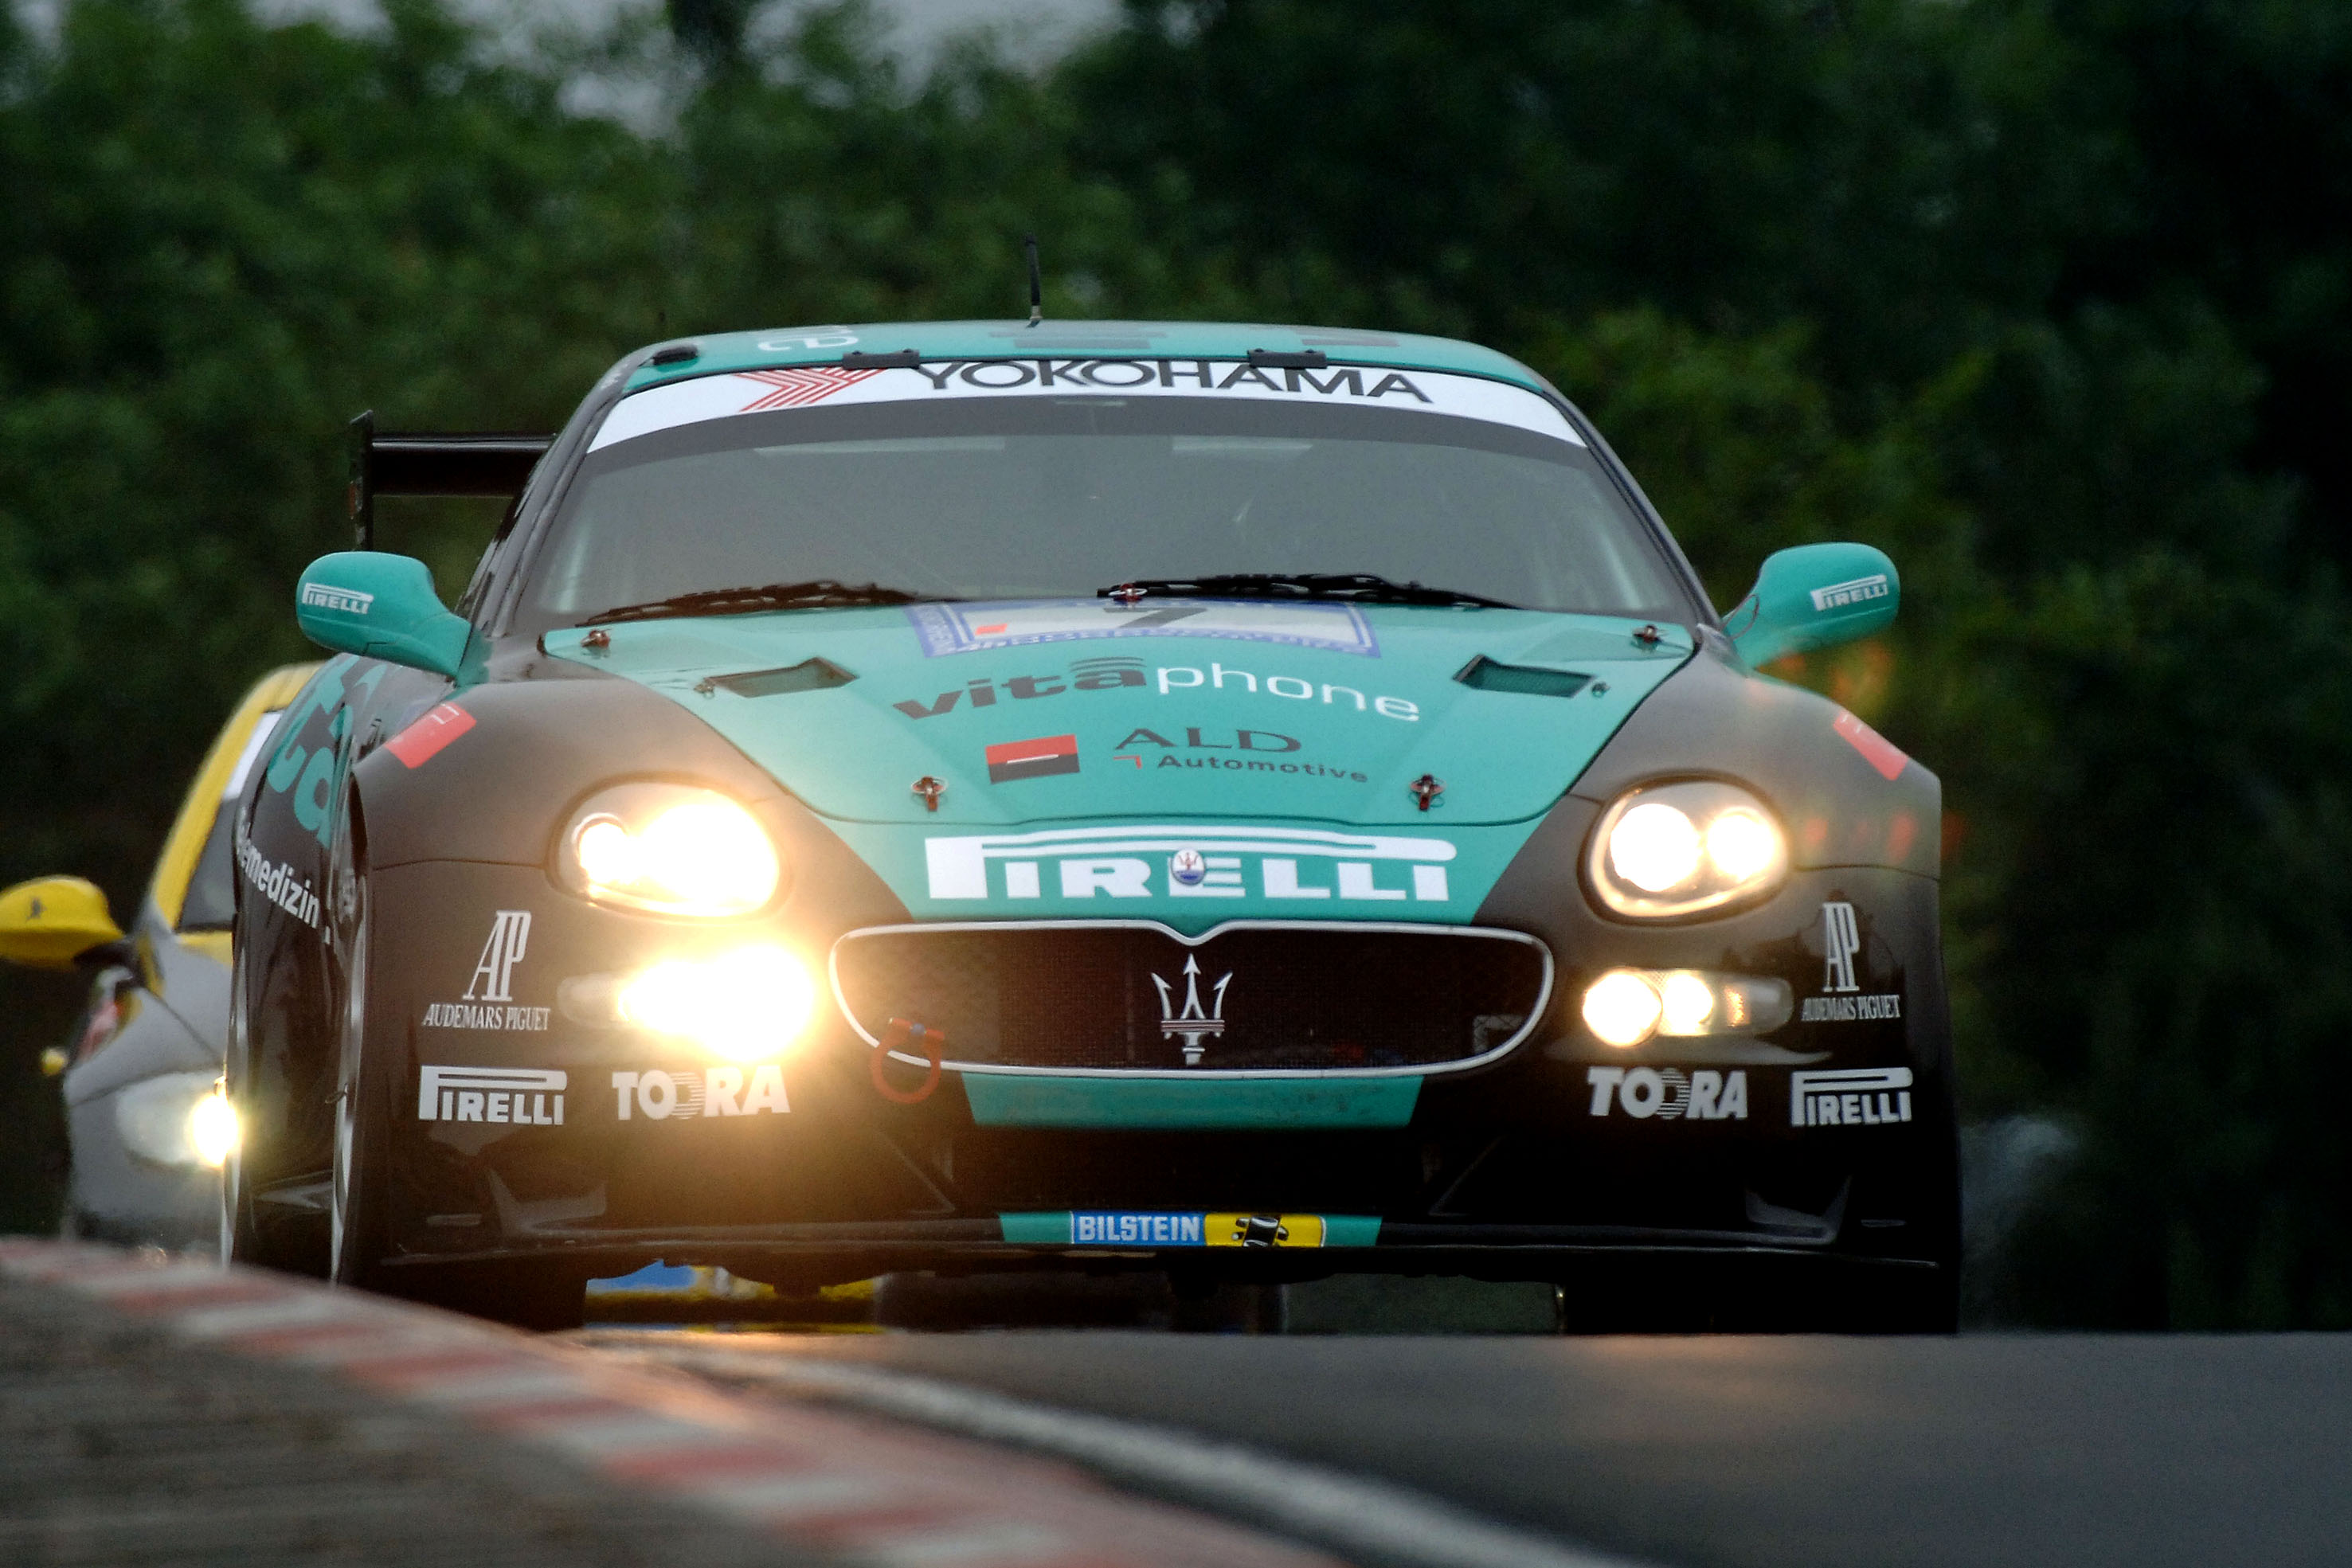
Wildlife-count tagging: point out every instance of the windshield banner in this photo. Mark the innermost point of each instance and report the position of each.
(765, 391)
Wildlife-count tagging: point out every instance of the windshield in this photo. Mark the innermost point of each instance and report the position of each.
(1006, 497)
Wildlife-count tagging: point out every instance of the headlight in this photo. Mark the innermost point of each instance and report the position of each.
(749, 1005)
(1670, 850)
(668, 848)
(1626, 1007)
(177, 1119)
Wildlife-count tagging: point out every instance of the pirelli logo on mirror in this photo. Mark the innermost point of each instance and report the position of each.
(326, 596)
(1860, 591)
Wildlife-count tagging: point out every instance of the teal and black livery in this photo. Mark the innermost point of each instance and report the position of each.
(1242, 801)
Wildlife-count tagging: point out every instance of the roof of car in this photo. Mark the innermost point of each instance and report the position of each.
(776, 347)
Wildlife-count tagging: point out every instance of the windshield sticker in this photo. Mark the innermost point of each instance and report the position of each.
(690, 402)
(957, 628)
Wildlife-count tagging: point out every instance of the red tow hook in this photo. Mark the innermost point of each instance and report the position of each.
(931, 1042)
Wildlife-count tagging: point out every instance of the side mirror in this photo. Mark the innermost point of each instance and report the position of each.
(380, 607)
(49, 923)
(1814, 596)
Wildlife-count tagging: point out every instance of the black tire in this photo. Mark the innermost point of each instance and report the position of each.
(358, 1236)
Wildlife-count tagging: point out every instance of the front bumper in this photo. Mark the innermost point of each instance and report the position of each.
(1560, 1152)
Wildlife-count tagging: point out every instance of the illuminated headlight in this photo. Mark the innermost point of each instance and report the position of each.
(1670, 849)
(178, 1119)
(670, 849)
(749, 1005)
(1626, 1007)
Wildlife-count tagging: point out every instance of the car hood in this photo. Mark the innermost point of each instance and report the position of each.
(1032, 711)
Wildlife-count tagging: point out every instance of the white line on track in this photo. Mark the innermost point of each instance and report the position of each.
(1371, 1522)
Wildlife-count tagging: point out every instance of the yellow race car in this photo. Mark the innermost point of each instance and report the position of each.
(147, 1127)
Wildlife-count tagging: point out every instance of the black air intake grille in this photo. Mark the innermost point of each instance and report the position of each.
(1261, 998)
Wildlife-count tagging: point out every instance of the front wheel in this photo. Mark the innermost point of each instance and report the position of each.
(356, 1228)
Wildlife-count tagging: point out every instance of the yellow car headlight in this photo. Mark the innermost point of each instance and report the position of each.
(1664, 851)
(671, 849)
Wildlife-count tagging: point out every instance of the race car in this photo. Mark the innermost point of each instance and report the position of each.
(1246, 802)
(146, 1125)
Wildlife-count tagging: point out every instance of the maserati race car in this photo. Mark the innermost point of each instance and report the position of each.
(1238, 801)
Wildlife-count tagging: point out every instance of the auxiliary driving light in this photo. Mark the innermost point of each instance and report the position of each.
(213, 1130)
(671, 849)
(1625, 1006)
(177, 1119)
(1667, 851)
(749, 1005)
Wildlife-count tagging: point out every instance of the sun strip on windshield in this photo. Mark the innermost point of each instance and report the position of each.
(724, 396)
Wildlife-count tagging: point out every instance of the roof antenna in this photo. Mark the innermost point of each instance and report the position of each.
(1036, 289)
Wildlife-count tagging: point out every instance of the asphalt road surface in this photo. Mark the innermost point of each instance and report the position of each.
(1761, 1452)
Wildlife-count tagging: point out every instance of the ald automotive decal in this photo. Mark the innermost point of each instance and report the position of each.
(765, 391)
(1304, 866)
(959, 628)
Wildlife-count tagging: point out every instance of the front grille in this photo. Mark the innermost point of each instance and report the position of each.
(1250, 997)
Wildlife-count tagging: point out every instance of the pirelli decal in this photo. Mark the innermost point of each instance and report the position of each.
(1284, 866)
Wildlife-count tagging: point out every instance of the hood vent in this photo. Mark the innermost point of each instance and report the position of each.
(808, 675)
(1489, 676)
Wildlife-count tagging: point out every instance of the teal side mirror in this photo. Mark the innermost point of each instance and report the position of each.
(380, 607)
(1814, 596)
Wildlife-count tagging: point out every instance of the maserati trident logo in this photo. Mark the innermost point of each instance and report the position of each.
(1193, 1023)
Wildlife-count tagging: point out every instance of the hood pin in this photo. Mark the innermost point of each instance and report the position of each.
(1426, 789)
(931, 789)
(1647, 637)
(597, 641)
(1128, 593)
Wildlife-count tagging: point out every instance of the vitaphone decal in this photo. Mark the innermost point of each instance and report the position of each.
(1110, 673)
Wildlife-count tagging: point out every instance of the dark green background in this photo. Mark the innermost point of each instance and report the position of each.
(2050, 299)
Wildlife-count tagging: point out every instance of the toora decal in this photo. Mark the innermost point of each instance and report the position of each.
(515, 1096)
(1192, 1023)
(1668, 1093)
(660, 1094)
(1849, 1097)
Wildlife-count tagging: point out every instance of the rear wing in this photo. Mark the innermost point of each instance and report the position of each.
(384, 463)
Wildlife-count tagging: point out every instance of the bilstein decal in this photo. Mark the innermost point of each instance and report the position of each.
(1284, 864)
(1168, 680)
(515, 1096)
(658, 1095)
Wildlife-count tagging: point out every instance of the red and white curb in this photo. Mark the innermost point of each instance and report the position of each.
(856, 1487)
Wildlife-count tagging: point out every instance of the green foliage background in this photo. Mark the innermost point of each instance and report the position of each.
(2050, 299)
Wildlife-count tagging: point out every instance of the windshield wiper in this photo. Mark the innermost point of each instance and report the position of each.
(817, 593)
(1360, 587)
